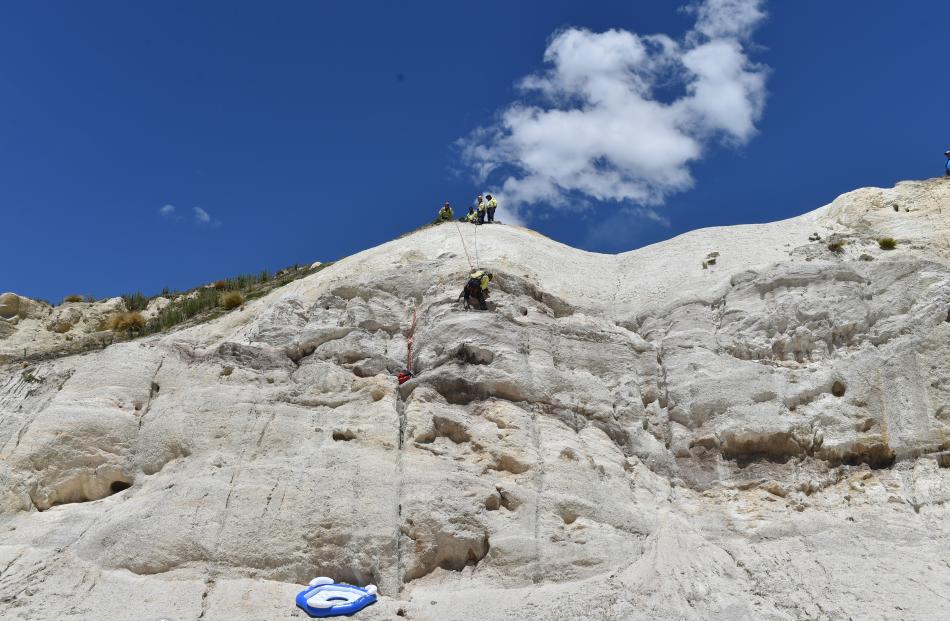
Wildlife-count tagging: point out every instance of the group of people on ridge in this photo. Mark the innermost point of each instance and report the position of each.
(482, 213)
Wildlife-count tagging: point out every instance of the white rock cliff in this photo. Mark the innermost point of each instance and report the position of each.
(738, 423)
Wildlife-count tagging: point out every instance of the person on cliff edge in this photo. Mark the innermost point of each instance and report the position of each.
(947, 167)
(490, 207)
(445, 214)
(480, 207)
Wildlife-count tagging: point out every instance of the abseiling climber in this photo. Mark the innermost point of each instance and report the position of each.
(477, 288)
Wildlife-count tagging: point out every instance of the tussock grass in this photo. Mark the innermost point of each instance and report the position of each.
(184, 308)
(72, 298)
(135, 301)
(128, 322)
(232, 300)
(887, 243)
(836, 246)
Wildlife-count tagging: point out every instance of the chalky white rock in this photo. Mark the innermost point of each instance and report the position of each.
(646, 435)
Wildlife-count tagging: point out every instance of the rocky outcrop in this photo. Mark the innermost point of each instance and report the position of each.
(32, 330)
(15, 308)
(743, 422)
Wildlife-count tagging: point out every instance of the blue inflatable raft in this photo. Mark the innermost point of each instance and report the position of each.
(325, 598)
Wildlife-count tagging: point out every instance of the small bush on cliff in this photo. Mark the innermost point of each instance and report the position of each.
(128, 322)
(232, 300)
(72, 298)
(887, 243)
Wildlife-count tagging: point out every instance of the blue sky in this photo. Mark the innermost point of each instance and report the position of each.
(311, 130)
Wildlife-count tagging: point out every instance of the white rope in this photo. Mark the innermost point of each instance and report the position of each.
(476, 247)
(462, 237)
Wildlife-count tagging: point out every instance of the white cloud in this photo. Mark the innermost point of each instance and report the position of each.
(727, 18)
(599, 123)
(201, 216)
(653, 215)
(167, 211)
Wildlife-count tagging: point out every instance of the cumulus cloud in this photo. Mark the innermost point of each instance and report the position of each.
(167, 211)
(617, 116)
(201, 216)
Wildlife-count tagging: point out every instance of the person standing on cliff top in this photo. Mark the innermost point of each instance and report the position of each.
(480, 207)
(947, 172)
(490, 207)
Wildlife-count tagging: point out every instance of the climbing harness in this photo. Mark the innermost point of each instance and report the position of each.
(325, 598)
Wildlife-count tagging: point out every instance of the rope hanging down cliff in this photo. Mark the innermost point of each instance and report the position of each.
(468, 257)
(476, 247)
(462, 237)
(406, 374)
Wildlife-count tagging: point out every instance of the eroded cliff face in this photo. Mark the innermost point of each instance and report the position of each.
(736, 423)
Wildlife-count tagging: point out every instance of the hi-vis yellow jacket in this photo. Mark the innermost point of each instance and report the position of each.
(482, 277)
